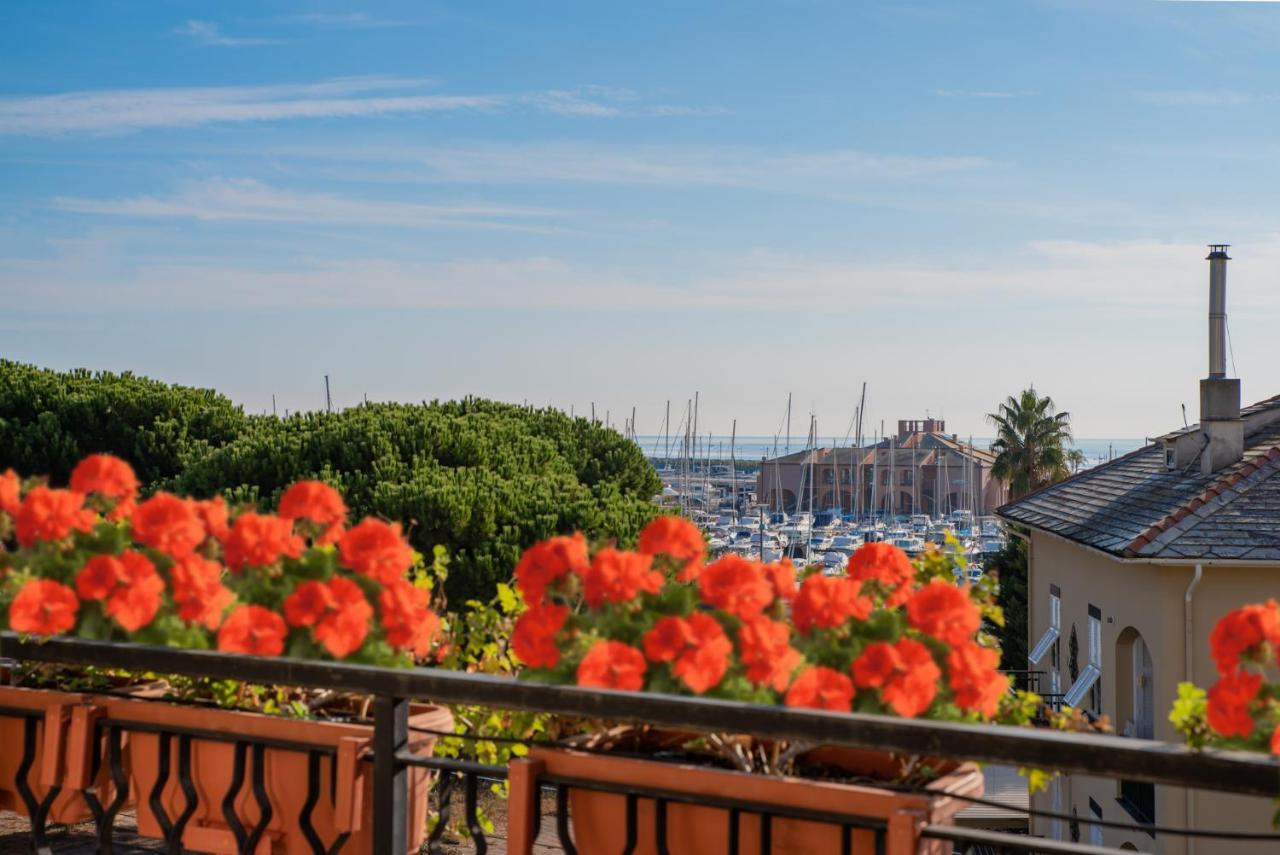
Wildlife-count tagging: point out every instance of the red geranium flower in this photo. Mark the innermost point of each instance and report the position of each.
(309, 602)
(168, 524)
(254, 630)
(1242, 633)
(766, 651)
(375, 549)
(545, 562)
(904, 672)
(319, 503)
(213, 513)
(10, 492)
(782, 577)
(677, 538)
(50, 515)
(829, 601)
(259, 540)
(618, 577)
(98, 577)
(198, 591)
(821, 688)
(975, 682)
(136, 599)
(1275, 740)
(944, 610)
(409, 623)
(342, 629)
(109, 477)
(612, 665)
(887, 565)
(703, 664)
(1228, 703)
(737, 586)
(43, 607)
(534, 637)
(668, 638)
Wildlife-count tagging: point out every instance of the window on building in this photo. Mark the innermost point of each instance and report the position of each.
(1087, 684)
(1135, 715)
(1055, 628)
(1095, 829)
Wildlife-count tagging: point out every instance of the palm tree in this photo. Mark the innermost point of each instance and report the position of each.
(1076, 460)
(1030, 440)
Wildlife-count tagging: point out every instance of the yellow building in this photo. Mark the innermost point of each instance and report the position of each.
(1131, 565)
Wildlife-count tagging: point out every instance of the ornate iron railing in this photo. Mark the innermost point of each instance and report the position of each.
(391, 757)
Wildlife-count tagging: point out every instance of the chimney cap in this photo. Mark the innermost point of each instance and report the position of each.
(1218, 250)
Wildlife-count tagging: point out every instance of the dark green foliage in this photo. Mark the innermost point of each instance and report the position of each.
(49, 420)
(1010, 566)
(483, 479)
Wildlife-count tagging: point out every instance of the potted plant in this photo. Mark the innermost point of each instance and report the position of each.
(889, 637)
(95, 561)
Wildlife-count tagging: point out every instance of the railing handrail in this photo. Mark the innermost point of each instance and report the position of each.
(1092, 754)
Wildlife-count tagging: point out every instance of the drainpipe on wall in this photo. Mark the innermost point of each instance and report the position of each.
(1188, 655)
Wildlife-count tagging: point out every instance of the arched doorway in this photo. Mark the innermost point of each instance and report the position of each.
(1135, 713)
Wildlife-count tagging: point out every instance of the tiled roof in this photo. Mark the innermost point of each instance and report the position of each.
(1134, 507)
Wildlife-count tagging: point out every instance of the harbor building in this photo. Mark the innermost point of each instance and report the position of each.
(1131, 564)
(920, 470)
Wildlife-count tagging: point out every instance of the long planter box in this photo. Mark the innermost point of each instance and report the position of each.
(332, 785)
(61, 741)
(599, 819)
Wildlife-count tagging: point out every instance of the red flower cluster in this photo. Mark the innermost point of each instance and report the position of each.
(766, 651)
(48, 515)
(407, 617)
(128, 583)
(944, 611)
(1229, 700)
(1247, 636)
(317, 503)
(888, 567)
(678, 539)
(975, 682)
(173, 569)
(904, 673)
(198, 591)
(534, 636)
(612, 665)
(615, 576)
(821, 688)
(108, 477)
(544, 563)
(259, 540)
(696, 646)
(376, 549)
(43, 607)
(737, 586)
(826, 602)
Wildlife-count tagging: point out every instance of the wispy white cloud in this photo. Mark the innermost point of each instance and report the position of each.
(245, 200)
(351, 20)
(126, 110)
(981, 93)
(210, 33)
(1205, 97)
(1147, 275)
(553, 162)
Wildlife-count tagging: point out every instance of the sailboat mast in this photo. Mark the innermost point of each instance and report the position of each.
(733, 466)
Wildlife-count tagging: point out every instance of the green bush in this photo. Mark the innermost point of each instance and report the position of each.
(483, 479)
(49, 420)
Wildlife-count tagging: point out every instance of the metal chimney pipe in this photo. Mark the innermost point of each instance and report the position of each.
(1218, 259)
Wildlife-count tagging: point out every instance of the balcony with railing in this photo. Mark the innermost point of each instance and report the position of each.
(390, 760)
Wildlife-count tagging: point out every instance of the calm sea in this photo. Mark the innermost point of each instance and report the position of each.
(755, 447)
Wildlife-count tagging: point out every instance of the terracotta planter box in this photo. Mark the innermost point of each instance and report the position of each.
(61, 757)
(343, 792)
(599, 819)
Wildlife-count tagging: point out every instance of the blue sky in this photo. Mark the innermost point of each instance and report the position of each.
(624, 203)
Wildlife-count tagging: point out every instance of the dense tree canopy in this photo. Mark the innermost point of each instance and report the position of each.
(49, 420)
(483, 479)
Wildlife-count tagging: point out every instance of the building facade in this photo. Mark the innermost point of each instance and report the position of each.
(920, 470)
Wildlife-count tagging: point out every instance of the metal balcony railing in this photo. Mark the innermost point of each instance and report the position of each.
(1095, 755)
